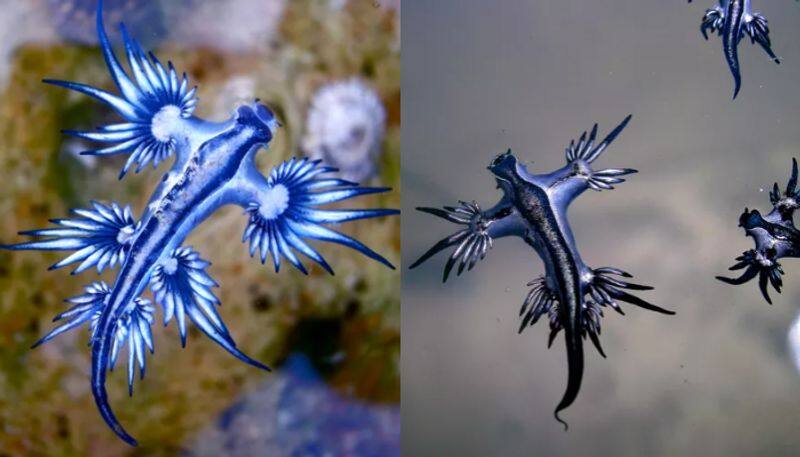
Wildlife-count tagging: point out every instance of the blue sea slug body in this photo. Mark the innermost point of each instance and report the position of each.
(775, 237)
(533, 207)
(214, 165)
(731, 20)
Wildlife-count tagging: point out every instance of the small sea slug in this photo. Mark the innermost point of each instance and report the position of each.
(214, 165)
(533, 207)
(731, 20)
(775, 237)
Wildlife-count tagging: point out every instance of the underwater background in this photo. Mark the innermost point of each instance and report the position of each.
(330, 69)
(717, 379)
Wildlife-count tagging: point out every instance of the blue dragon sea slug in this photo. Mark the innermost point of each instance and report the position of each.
(731, 20)
(534, 207)
(214, 165)
(775, 237)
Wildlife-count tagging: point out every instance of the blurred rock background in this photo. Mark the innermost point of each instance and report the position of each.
(345, 328)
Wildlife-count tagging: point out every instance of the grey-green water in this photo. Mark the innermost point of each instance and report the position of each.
(714, 380)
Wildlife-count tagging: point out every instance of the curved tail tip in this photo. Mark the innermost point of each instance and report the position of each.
(104, 408)
(262, 366)
(127, 438)
(560, 420)
(117, 428)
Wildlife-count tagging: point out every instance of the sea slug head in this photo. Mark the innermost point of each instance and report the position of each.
(504, 167)
(750, 219)
(260, 118)
(773, 239)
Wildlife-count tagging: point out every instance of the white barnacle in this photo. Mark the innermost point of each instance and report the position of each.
(274, 202)
(345, 128)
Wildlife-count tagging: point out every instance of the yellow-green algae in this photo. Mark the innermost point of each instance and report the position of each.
(45, 404)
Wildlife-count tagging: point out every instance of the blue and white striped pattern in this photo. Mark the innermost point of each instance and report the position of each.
(282, 231)
(100, 237)
(155, 88)
(182, 287)
(132, 328)
(85, 306)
